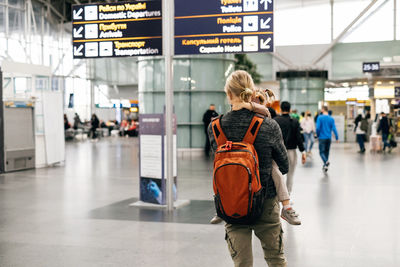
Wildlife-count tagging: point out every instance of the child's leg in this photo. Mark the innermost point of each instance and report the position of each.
(288, 213)
(280, 185)
(286, 202)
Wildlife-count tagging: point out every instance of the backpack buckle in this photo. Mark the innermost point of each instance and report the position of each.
(228, 145)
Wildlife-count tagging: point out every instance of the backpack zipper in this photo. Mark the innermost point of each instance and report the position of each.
(234, 144)
(244, 150)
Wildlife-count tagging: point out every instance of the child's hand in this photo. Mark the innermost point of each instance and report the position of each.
(246, 106)
(303, 158)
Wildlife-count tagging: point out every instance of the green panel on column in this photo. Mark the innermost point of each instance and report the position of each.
(182, 79)
(198, 136)
(146, 100)
(264, 64)
(158, 76)
(183, 135)
(182, 106)
(303, 93)
(146, 81)
(200, 102)
(207, 74)
(158, 102)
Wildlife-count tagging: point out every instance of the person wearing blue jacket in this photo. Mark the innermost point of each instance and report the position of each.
(325, 127)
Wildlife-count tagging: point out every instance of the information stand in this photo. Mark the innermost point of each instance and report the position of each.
(153, 163)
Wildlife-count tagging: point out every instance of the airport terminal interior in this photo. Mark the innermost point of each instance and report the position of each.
(105, 157)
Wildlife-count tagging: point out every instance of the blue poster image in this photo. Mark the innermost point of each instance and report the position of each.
(150, 190)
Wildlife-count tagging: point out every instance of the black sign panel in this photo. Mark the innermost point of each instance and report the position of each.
(117, 29)
(371, 67)
(223, 26)
(371, 92)
(397, 92)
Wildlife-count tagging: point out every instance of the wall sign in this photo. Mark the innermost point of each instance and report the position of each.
(223, 26)
(397, 92)
(371, 67)
(117, 29)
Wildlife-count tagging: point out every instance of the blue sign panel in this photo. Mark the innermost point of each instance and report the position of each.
(223, 26)
(117, 29)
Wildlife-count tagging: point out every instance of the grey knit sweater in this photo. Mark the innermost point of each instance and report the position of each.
(268, 144)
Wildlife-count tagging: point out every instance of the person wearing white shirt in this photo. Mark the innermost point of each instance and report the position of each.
(360, 129)
(308, 126)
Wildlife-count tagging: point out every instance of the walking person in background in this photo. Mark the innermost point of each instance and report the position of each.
(325, 127)
(66, 122)
(360, 129)
(308, 126)
(271, 100)
(95, 123)
(292, 138)
(207, 117)
(316, 116)
(302, 116)
(294, 115)
(77, 121)
(384, 127)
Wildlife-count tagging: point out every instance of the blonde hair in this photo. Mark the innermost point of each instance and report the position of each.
(271, 96)
(264, 97)
(240, 84)
(260, 96)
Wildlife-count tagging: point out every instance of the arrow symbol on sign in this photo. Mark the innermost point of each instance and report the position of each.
(78, 14)
(265, 44)
(264, 23)
(78, 51)
(266, 2)
(77, 33)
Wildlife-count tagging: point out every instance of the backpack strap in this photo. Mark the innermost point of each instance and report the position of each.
(253, 129)
(219, 135)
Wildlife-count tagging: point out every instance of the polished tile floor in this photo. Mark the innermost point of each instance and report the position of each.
(78, 214)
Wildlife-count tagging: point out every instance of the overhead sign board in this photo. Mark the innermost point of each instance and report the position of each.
(371, 67)
(117, 29)
(223, 26)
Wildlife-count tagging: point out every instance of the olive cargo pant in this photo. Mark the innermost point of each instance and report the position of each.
(268, 229)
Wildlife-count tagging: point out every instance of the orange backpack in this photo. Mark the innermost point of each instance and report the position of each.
(238, 193)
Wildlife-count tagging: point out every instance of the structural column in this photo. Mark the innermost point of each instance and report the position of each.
(1, 125)
(303, 89)
(198, 82)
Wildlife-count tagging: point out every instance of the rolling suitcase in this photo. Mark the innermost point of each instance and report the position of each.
(375, 143)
